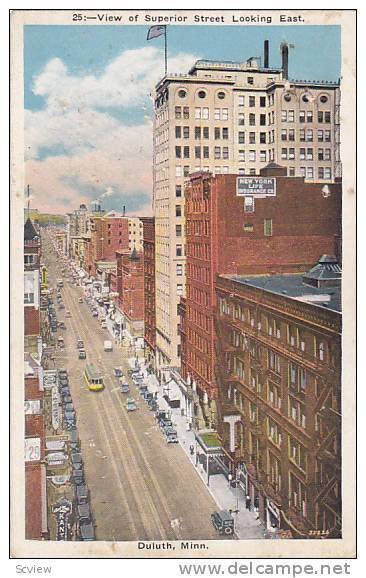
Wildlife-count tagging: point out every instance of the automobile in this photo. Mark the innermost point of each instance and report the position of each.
(160, 414)
(104, 325)
(62, 373)
(82, 494)
(223, 522)
(80, 300)
(131, 404)
(143, 390)
(77, 461)
(118, 371)
(66, 399)
(83, 513)
(152, 405)
(171, 435)
(86, 532)
(125, 388)
(70, 417)
(70, 425)
(68, 314)
(78, 477)
(61, 325)
(69, 407)
(94, 313)
(80, 344)
(63, 380)
(148, 396)
(60, 342)
(82, 354)
(164, 423)
(65, 390)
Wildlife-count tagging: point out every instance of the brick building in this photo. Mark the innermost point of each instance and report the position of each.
(108, 234)
(149, 287)
(130, 289)
(279, 368)
(229, 233)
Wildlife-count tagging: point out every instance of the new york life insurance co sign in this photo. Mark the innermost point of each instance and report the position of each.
(255, 187)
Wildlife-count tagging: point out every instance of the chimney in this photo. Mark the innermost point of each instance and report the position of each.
(266, 54)
(284, 52)
(124, 210)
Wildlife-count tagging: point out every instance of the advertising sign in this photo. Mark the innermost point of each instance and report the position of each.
(255, 186)
(32, 449)
(62, 510)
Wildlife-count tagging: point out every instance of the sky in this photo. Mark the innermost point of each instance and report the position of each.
(88, 109)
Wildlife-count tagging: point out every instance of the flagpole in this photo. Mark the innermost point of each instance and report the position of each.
(166, 51)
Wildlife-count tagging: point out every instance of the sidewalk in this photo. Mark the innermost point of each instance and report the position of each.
(226, 497)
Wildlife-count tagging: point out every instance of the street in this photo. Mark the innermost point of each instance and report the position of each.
(141, 487)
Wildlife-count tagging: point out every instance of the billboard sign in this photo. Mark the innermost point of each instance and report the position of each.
(256, 186)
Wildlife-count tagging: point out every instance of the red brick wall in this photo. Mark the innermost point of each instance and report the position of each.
(149, 280)
(31, 388)
(130, 286)
(32, 321)
(33, 501)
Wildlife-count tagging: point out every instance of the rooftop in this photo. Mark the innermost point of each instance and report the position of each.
(30, 232)
(325, 292)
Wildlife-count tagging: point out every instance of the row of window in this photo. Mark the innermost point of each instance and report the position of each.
(306, 135)
(306, 154)
(305, 116)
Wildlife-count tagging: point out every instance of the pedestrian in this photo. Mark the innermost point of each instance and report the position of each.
(256, 504)
(191, 449)
(247, 502)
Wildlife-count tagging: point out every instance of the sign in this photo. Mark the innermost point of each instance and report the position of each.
(62, 510)
(32, 449)
(55, 410)
(32, 406)
(255, 186)
(49, 378)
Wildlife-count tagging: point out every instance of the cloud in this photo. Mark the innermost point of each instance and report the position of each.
(76, 148)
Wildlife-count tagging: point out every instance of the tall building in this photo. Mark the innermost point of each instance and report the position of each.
(279, 366)
(130, 289)
(32, 286)
(284, 232)
(230, 117)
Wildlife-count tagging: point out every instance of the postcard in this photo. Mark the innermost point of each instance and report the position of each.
(183, 273)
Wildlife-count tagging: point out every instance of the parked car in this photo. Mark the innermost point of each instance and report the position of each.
(104, 325)
(80, 344)
(125, 388)
(70, 417)
(82, 494)
(80, 300)
(223, 522)
(82, 354)
(66, 399)
(63, 380)
(171, 435)
(78, 477)
(164, 423)
(69, 407)
(83, 513)
(131, 404)
(77, 461)
(86, 532)
(152, 405)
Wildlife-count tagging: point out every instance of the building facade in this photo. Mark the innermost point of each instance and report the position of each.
(130, 289)
(32, 283)
(228, 233)
(149, 288)
(279, 369)
(228, 117)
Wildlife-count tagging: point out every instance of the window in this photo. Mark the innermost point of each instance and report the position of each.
(327, 173)
(252, 119)
(178, 112)
(284, 134)
(217, 133)
(252, 101)
(178, 230)
(291, 134)
(302, 134)
(182, 93)
(262, 119)
(248, 227)
(28, 298)
(252, 138)
(302, 116)
(29, 259)
(178, 171)
(267, 227)
(178, 152)
(309, 154)
(309, 173)
(186, 171)
(241, 100)
(179, 269)
(320, 135)
(327, 117)
(249, 204)
(225, 133)
(241, 137)
(302, 171)
(327, 154)
(291, 171)
(178, 210)
(241, 119)
(283, 115)
(221, 95)
(185, 112)
(309, 134)
(327, 135)
(291, 153)
(217, 114)
(179, 250)
(178, 132)
(302, 154)
(309, 116)
(197, 132)
(262, 137)
(262, 101)
(320, 154)
(178, 190)
(186, 131)
(205, 113)
(217, 152)
(206, 132)
(252, 156)
(206, 153)
(297, 453)
(241, 155)
(274, 432)
(201, 94)
(284, 153)
(262, 156)
(225, 153)
(320, 116)
(274, 362)
(197, 152)
(197, 113)
(323, 99)
(250, 80)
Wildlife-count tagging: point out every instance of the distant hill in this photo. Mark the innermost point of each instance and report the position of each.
(43, 219)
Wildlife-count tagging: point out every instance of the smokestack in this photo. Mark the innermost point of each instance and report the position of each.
(266, 54)
(284, 51)
(124, 210)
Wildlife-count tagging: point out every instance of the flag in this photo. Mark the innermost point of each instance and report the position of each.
(155, 32)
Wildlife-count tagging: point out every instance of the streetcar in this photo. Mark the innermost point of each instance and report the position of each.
(93, 378)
